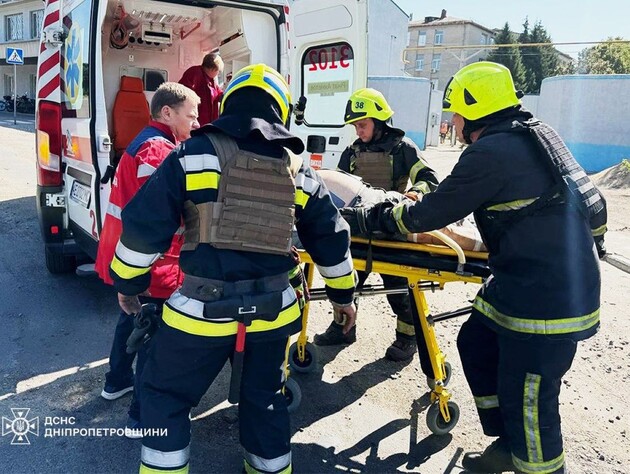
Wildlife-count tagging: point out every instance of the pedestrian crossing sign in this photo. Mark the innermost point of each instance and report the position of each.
(15, 56)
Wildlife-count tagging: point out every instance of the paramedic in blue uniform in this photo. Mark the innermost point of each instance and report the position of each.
(386, 159)
(240, 189)
(543, 222)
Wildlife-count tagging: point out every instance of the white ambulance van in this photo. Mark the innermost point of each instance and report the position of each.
(101, 60)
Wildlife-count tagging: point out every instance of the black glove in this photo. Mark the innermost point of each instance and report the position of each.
(599, 245)
(145, 324)
(370, 219)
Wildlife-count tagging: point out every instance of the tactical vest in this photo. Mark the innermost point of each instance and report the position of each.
(255, 206)
(567, 172)
(376, 168)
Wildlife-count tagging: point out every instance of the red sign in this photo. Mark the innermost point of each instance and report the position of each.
(316, 161)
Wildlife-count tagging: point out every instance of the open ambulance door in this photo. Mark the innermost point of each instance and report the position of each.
(328, 61)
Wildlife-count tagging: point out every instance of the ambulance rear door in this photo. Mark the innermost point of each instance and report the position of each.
(328, 61)
(81, 179)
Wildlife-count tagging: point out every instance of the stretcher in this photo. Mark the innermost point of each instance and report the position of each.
(426, 267)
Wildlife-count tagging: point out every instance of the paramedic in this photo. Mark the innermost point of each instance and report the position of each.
(174, 114)
(386, 159)
(543, 222)
(240, 189)
(203, 80)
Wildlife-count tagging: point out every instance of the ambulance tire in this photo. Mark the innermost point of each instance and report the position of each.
(293, 394)
(310, 358)
(435, 421)
(59, 263)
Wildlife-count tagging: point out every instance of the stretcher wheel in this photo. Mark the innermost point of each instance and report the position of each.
(310, 358)
(447, 376)
(435, 421)
(292, 394)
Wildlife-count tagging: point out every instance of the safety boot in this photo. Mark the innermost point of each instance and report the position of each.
(496, 458)
(401, 350)
(334, 336)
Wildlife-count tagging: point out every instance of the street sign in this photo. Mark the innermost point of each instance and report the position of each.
(15, 56)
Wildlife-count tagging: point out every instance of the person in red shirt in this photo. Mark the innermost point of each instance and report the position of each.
(203, 80)
(174, 115)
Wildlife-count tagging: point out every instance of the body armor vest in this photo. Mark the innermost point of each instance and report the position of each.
(577, 186)
(376, 168)
(255, 206)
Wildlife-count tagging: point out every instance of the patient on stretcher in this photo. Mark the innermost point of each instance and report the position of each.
(350, 191)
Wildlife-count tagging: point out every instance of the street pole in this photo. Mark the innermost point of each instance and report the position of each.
(15, 94)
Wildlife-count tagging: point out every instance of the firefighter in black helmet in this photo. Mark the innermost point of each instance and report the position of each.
(543, 222)
(383, 157)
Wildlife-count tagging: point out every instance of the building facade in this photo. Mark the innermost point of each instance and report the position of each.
(20, 27)
(439, 46)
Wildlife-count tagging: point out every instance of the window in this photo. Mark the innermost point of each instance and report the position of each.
(75, 76)
(32, 85)
(484, 38)
(408, 38)
(8, 85)
(439, 37)
(13, 27)
(37, 19)
(420, 62)
(327, 77)
(422, 38)
(435, 64)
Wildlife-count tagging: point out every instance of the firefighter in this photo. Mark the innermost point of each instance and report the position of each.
(384, 158)
(173, 116)
(543, 222)
(240, 189)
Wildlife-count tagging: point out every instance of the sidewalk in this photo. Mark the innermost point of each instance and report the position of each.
(24, 122)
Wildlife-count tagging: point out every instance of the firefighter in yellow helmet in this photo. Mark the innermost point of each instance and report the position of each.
(543, 222)
(383, 157)
(240, 188)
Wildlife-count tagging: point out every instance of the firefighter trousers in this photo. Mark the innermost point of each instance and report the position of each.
(516, 384)
(180, 368)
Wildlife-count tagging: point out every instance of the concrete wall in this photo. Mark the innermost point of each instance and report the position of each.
(409, 99)
(530, 102)
(590, 114)
(387, 37)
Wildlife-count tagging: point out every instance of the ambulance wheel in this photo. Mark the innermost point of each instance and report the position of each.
(310, 358)
(293, 394)
(447, 376)
(59, 263)
(435, 421)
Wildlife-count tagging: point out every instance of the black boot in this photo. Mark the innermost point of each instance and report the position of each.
(401, 350)
(334, 336)
(496, 458)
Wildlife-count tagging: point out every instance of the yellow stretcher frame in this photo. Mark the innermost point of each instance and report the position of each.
(443, 414)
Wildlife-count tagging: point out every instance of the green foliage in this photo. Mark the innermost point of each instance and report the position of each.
(606, 58)
(509, 56)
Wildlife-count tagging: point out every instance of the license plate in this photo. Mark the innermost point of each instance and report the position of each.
(80, 193)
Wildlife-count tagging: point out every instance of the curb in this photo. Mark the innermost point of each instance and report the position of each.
(619, 261)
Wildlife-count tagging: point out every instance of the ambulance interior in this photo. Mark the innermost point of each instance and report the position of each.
(147, 42)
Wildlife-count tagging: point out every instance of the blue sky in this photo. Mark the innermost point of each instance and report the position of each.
(565, 20)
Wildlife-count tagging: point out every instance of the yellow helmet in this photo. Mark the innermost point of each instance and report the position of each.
(265, 78)
(367, 103)
(480, 89)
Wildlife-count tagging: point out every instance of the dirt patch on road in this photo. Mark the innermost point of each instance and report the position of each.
(615, 177)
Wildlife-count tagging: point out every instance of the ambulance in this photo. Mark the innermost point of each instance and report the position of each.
(101, 61)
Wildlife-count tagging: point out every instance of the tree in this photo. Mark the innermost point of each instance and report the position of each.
(539, 61)
(606, 58)
(509, 56)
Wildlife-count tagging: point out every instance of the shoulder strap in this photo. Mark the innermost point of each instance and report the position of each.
(224, 146)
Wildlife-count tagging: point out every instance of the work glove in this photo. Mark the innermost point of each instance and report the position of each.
(599, 245)
(370, 219)
(145, 323)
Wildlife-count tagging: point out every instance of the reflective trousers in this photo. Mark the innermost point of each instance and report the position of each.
(516, 384)
(179, 370)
